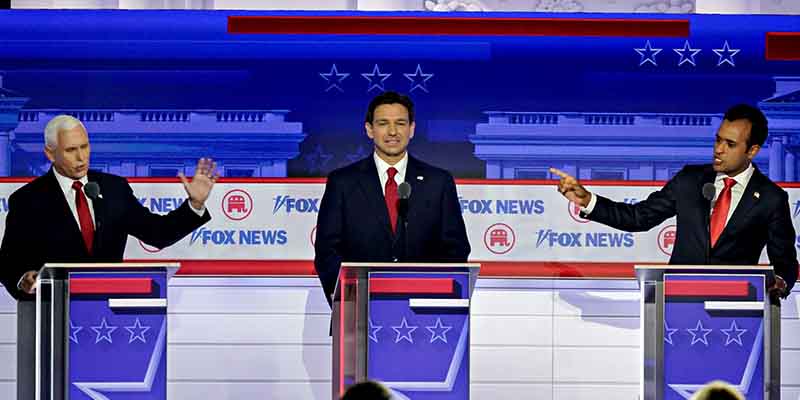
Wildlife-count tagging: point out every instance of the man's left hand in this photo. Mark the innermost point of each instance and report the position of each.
(205, 175)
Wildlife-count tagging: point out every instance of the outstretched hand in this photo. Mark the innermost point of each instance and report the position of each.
(571, 188)
(205, 175)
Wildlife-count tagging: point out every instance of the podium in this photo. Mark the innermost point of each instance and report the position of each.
(405, 325)
(100, 329)
(705, 322)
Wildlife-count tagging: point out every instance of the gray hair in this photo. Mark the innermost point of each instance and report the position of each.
(59, 123)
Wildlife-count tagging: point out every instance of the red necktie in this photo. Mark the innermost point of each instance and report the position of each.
(720, 213)
(391, 197)
(84, 216)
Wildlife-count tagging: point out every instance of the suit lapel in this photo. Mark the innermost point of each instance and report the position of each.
(748, 200)
(705, 205)
(415, 176)
(370, 185)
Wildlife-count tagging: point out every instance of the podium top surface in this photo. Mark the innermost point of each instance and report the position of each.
(409, 265)
(361, 270)
(655, 272)
(55, 270)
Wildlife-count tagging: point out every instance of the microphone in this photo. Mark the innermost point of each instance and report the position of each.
(92, 189)
(709, 191)
(404, 193)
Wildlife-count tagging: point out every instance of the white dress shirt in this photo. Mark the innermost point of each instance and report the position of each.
(66, 187)
(742, 179)
(383, 167)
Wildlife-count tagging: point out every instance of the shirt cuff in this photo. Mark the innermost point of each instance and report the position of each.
(590, 207)
(199, 212)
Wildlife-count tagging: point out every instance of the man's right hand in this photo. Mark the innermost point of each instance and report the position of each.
(571, 188)
(28, 283)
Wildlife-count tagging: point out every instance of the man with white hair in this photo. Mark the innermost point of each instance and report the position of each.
(73, 214)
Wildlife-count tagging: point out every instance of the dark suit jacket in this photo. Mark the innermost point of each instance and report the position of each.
(353, 222)
(761, 218)
(40, 227)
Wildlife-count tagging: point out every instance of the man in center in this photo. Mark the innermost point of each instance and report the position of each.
(361, 217)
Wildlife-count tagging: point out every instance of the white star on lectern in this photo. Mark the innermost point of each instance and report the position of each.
(668, 332)
(687, 57)
(73, 335)
(702, 336)
(373, 331)
(334, 78)
(734, 334)
(726, 54)
(651, 54)
(438, 331)
(418, 79)
(404, 336)
(140, 331)
(375, 78)
(107, 330)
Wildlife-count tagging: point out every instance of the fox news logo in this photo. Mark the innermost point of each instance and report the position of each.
(551, 238)
(241, 237)
(161, 205)
(290, 204)
(514, 206)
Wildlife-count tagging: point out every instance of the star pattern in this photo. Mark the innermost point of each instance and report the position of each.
(334, 78)
(104, 331)
(648, 54)
(404, 331)
(699, 334)
(726, 54)
(376, 79)
(687, 54)
(418, 79)
(137, 331)
(438, 331)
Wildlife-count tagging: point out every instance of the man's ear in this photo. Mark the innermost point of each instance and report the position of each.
(49, 153)
(752, 151)
(368, 128)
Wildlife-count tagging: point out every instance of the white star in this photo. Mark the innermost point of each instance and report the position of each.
(668, 333)
(373, 331)
(418, 79)
(687, 58)
(73, 336)
(334, 78)
(137, 326)
(651, 54)
(375, 78)
(699, 337)
(107, 330)
(726, 54)
(442, 329)
(404, 336)
(734, 334)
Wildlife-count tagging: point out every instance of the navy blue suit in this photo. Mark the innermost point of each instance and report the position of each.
(353, 222)
(762, 218)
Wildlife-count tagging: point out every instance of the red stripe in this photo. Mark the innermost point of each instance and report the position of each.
(782, 46)
(111, 286)
(411, 285)
(418, 26)
(497, 269)
(706, 288)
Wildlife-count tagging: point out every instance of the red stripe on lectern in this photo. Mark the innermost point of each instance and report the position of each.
(411, 285)
(110, 286)
(706, 288)
(782, 46)
(463, 26)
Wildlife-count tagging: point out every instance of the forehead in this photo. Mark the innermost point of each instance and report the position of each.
(390, 111)
(738, 130)
(72, 137)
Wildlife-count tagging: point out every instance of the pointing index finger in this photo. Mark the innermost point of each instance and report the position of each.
(559, 172)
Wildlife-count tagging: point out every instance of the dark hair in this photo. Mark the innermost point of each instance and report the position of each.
(367, 390)
(390, 98)
(758, 132)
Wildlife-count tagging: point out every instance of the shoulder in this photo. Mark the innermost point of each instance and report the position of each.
(36, 188)
(429, 171)
(351, 171)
